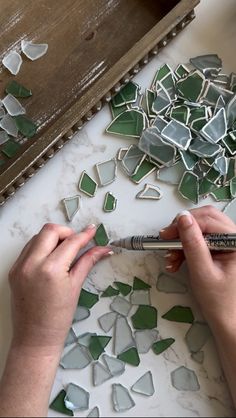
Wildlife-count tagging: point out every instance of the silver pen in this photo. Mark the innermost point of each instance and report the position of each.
(216, 242)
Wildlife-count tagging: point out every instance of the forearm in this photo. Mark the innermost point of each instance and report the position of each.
(26, 383)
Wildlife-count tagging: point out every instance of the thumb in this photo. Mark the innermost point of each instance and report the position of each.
(196, 252)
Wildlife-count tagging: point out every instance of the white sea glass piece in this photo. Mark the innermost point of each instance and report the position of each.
(107, 171)
(144, 385)
(150, 192)
(71, 337)
(77, 358)
(121, 153)
(230, 210)
(162, 101)
(184, 379)
(2, 112)
(72, 205)
(114, 365)
(13, 106)
(76, 399)
(123, 339)
(84, 339)
(100, 374)
(178, 134)
(107, 321)
(221, 165)
(3, 137)
(198, 357)
(216, 128)
(160, 123)
(197, 336)
(120, 305)
(33, 51)
(8, 124)
(12, 62)
(94, 413)
(173, 174)
(121, 398)
(156, 147)
(203, 148)
(132, 159)
(140, 297)
(81, 313)
(169, 284)
(145, 339)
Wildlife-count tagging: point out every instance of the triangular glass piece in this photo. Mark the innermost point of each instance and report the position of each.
(81, 313)
(132, 159)
(178, 134)
(120, 305)
(94, 413)
(210, 65)
(197, 336)
(124, 288)
(123, 336)
(72, 205)
(162, 345)
(109, 292)
(144, 385)
(145, 339)
(101, 237)
(76, 399)
(87, 299)
(58, 404)
(139, 284)
(100, 374)
(107, 171)
(26, 126)
(13, 106)
(33, 51)
(107, 321)
(121, 398)
(84, 339)
(198, 357)
(179, 314)
(71, 337)
(184, 379)
(140, 297)
(77, 358)
(169, 284)
(216, 128)
(17, 90)
(114, 365)
(150, 192)
(12, 62)
(130, 356)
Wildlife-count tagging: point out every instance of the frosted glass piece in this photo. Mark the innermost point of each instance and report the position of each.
(140, 297)
(121, 398)
(123, 339)
(84, 339)
(3, 137)
(72, 205)
(132, 159)
(12, 62)
(100, 374)
(216, 128)
(173, 174)
(198, 357)
(2, 112)
(114, 365)
(94, 413)
(13, 106)
(107, 171)
(107, 321)
(144, 385)
(77, 358)
(184, 379)
(81, 313)
(33, 51)
(120, 305)
(8, 124)
(150, 192)
(76, 399)
(71, 337)
(230, 210)
(145, 339)
(197, 336)
(169, 284)
(178, 134)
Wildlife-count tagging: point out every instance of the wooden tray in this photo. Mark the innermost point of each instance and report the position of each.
(95, 46)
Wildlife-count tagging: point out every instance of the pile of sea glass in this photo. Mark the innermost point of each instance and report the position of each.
(130, 330)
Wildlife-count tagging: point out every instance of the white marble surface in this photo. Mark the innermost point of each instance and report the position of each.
(213, 30)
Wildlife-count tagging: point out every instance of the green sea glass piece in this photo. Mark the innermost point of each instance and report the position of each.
(25, 126)
(180, 113)
(197, 113)
(87, 185)
(145, 168)
(123, 288)
(139, 284)
(145, 317)
(161, 102)
(130, 356)
(198, 124)
(58, 404)
(128, 94)
(206, 186)
(109, 202)
(17, 90)
(191, 88)
(188, 159)
(161, 73)
(230, 144)
(159, 346)
(213, 175)
(181, 71)
(97, 345)
(150, 97)
(179, 314)
(10, 148)
(109, 292)
(116, 111)
(87, 299)
(101, 237)
(222, 194)
(168, 83)
(189, 187)
(129, 123)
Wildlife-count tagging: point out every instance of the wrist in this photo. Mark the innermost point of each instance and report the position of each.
(30, 350)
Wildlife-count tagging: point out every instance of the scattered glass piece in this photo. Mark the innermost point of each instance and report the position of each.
(233, 187)
(130, 356)
(25, 126)
(184, 379)
(132, 160)
(181, 71)
(162, 345)
(128, 94)
(179, 314)
(129, 123)
(169, 284)
(192, 86)
(221, 165)
(180, 113)
(222, 194)
(188, 159)
(230, 210)
(10, 148)
(231, 111)
(150, 192)
(178, 134)
(213, 92)
(87, 185)
(17, 90)
(168, 83)
(123, 288)
(198, 357)
(121, 153)
(97, 345)
(121, 398)
(231, 171)
(144, 385)
(71, 205)
(81, 313)
(100, 374)
(12, 62)
(116, 111)
(161, 102)
(110, 202)
(2, 111)
(203, 148)
(33, 51)
(173, 174)
(115, 366)
(161, 73)
(3, 137)
(210, 65)
(58, 404)
(123, 336)
(197, 113)
(120, 305)
(13, 106)
(153, 144)
(140, 297)
(139, 284)
(219, 105)
(109, 292)
(230, 144)
(84, 339)
(77, 358)
(101, 237)
(145, 317)
(87, 299)
(71, 337)
(197, 336)
(107, 321)
(144, 169)
(107, 171)
(216, 128)
(206, 186)
(189, 187)
(94, 413)
(76, 399)
(145, 339)
(8, 124)
(150, 97)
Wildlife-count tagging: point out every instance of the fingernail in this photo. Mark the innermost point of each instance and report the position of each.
(110, 253)
(169, 267)
(186, 218)
(91, 226)
(162, 230)
(168, 254)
